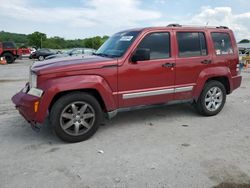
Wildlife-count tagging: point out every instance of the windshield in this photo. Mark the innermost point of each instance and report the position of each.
(118, 44)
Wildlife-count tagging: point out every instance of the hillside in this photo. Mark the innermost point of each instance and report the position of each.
(19, 39)
(56, 42)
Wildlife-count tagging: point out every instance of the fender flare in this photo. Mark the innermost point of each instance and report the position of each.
(209, 73)
(71, 83)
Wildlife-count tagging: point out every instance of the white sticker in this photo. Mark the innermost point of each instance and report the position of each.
(218, 52)
(126, 38)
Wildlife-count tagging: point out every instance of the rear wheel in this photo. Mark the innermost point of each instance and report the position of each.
(9, 57)
(40, 58)
(212, 98)
(76, 117)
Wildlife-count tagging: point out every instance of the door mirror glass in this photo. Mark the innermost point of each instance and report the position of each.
(141, 54)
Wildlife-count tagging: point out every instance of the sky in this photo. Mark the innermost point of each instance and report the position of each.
(73, 19)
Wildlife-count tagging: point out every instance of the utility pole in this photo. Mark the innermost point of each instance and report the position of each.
(41, 42)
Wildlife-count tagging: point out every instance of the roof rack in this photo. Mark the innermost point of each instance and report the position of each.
(222, 27)
(174, 25)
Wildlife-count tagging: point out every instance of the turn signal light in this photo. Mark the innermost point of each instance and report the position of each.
(36, 105)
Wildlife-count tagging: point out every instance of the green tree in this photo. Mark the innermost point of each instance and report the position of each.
(36, 39)
(19, 39)
(244, 41)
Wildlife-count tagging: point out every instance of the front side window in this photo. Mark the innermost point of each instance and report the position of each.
(191, 44)
(118, 44)
(158, 44)
(222, 43)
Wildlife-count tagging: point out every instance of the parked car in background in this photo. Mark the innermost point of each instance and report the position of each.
(9, 51)
(132, 68)
(41, 54)
(73, 52)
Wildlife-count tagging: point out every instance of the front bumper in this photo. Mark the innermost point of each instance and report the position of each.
(25, 105)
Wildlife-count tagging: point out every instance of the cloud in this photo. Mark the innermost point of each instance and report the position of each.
(217, 16)
(91, 13)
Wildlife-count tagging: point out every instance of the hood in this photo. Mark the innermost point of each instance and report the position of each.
(70, 63)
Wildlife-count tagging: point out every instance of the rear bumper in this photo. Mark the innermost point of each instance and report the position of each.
(236, 82)
(25, 105)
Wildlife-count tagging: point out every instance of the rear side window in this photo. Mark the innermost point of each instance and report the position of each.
(159, 45)
(222, 43)
(191, 44)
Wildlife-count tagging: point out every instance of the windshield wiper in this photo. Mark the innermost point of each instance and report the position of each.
(104, 55)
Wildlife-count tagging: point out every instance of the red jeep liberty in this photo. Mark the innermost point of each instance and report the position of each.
(132, 68)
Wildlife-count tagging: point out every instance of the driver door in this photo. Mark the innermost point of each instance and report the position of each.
(150, 81)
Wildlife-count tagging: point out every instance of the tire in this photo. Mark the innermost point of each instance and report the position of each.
(76, 117)
(212, 99)
(9, 57)
(40, 58)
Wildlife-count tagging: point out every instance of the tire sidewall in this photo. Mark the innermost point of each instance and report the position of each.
(62, 103)
(10, 57)
(202, 97)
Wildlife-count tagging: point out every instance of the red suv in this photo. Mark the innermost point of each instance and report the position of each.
(132, 68)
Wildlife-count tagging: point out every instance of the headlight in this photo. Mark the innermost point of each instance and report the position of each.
(33, 80)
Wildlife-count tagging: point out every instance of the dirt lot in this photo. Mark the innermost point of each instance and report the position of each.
(161, 147)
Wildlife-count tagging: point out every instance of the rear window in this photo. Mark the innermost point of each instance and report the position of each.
(191, 44)
(222, 43)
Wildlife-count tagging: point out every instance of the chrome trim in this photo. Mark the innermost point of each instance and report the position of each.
(147, 93)
(157, 92)
(183, 89)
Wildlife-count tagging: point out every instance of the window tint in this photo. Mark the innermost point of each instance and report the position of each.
(9, 45)
(191, 44)
(158, 44)
(222, 43)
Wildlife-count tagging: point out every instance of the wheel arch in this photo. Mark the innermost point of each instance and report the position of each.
(222, 79)
(221, 74)
(7, 51)
(90, 91)
(57, 87)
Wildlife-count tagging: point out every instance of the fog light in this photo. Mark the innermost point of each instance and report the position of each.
(36, 105)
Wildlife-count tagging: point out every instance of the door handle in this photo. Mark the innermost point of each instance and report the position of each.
(168, 65)
(206, 61)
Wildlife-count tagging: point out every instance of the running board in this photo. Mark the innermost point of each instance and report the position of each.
(113, 113)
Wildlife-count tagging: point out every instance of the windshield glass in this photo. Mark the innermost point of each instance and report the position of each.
(118, 44)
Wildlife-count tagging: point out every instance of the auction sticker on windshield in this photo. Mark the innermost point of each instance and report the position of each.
(126, 38)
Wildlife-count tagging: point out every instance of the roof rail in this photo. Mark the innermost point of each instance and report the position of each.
(173, 25)
(178, 25)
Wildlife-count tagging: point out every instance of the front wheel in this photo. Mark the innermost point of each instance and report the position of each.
(76, 117)
(212, 98)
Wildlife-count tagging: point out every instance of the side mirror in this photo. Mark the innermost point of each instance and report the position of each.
(142, 54)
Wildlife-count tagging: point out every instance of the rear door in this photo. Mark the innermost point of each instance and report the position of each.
(193, 55)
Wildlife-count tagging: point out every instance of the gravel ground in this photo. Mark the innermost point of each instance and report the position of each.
(170, 146)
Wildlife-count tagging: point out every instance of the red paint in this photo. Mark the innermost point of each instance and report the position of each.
(114, 77)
